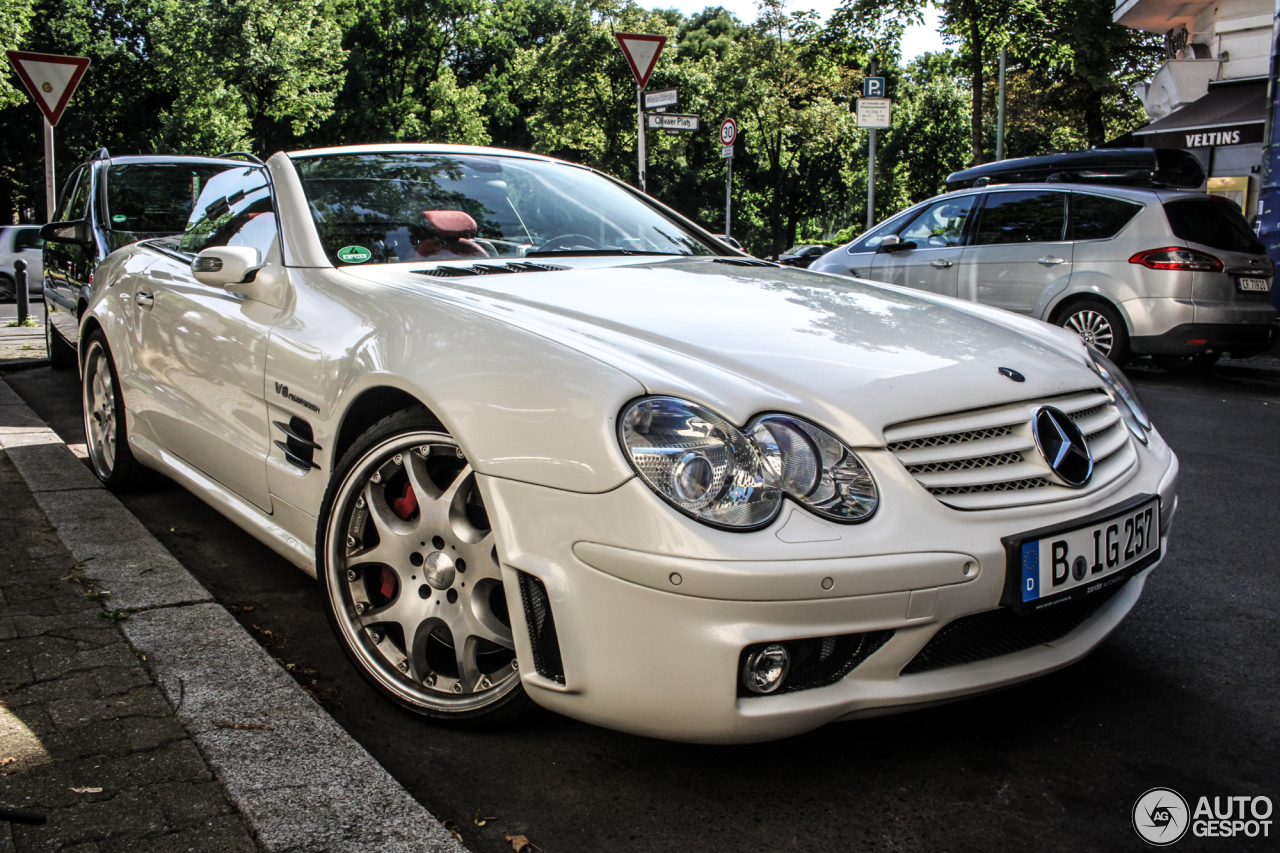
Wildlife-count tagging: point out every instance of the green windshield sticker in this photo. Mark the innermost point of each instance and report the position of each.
(354, 254)
(119, 217)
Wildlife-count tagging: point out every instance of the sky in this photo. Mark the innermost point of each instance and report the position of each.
(915, 41)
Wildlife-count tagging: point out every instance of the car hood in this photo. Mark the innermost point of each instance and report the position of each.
(853, 356)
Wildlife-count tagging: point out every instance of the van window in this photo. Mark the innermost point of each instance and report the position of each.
(1022, 217)
(941, 225)
(1212, 223)
(1098, 217)
(76, 204)
(155, 198)
(871, 240)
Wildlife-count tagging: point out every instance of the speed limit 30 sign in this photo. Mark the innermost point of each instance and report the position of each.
(728, 131)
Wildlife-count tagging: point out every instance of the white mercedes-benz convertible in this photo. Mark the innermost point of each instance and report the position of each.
(541, 439)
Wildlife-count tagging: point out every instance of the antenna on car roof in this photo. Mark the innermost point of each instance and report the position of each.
(101, 154)
(231, 155)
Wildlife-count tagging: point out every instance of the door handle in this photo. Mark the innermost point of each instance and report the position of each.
(942, 265)
(143, 299)
(1050, 261)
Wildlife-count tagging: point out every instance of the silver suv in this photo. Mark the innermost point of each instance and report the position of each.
(1175, 274)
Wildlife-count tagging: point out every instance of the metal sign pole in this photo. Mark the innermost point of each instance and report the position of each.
(1000, 111)
(871, 168)
(50, 190)
(728, 197)
(640, 133)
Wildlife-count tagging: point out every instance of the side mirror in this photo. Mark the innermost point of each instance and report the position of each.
(225, 266)
(893, 243)
(76, 232)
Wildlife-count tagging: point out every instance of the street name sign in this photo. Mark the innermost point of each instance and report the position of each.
(673, 122)
(874, 112)
(661, 98)
(51, 79)
(873, 87)
(642, 53)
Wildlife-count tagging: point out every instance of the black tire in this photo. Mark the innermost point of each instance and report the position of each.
(62, 355)
(443, 651)
(1194, 363)
(106, 431)
(1099, 324)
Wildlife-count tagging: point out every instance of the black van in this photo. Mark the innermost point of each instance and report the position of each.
(106, 203)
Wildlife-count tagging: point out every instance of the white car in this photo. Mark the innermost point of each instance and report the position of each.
(542, 439)
(21, 242)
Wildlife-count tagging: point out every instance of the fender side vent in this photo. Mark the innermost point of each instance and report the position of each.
(743, 262)
(542, 628)
(489, 269)
(299, 445)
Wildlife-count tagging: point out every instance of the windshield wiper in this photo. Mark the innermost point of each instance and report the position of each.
(593, 252)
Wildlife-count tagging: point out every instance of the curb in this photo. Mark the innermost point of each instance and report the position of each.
(301, 782)
(12, 364)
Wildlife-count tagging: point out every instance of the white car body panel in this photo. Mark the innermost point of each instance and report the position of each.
(530, 372)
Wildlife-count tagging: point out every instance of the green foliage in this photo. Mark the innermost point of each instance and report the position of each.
(204, 76)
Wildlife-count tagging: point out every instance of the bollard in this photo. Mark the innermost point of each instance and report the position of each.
(20, 290)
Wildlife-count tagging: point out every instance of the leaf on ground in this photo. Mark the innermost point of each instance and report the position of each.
(453, 829)
(5, 762)
(115, 615)
(97, 594)
(87, 790)
(481, 821)
(223, 724)
(520, 844)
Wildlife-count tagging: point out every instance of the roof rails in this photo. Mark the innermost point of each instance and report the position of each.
(232, 155)
(1156, 168)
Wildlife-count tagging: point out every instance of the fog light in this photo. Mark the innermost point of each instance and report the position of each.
(764, 671)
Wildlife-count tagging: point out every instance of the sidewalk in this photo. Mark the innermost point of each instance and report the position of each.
(21, 346)
(135, 713)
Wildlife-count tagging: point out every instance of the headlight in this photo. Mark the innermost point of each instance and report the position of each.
(1122, 393)
(721, 475)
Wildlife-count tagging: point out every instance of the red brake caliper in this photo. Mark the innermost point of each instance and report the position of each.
(403, 506)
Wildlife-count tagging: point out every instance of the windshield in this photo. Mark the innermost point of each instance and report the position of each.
(401, 208)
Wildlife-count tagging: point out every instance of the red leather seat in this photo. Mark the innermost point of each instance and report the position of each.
(450, 233)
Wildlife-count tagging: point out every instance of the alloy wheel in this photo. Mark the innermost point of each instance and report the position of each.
(1093, 328)
(413, 576)
(100, 411)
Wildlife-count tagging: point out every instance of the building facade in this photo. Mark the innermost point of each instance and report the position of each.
(1211, 94)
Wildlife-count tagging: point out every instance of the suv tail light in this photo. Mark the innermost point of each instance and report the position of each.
(1175, 258)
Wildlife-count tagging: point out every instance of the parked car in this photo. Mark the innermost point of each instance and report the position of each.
(1133, 270)
(543, 440)
(109, 202)
(802, 256)
(20, 242)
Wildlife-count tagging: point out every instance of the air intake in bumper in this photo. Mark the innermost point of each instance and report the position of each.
(542, 628)
(993, 633)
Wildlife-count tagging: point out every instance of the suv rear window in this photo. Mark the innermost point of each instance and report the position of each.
(1096, 217)
(155, 198)
(1216, 224)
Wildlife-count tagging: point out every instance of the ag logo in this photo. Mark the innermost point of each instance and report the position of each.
(1161, 817)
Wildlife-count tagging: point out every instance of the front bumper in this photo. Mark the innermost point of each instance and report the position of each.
(652, 610)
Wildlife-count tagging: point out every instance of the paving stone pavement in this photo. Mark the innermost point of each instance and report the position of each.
(86, 736)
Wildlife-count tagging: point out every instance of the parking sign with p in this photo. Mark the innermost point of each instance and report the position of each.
(873, 87)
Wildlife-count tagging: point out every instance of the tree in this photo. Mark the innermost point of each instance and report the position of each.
(247, 73)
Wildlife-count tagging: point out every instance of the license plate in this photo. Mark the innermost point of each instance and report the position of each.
(1052, 567)
(1262, 284)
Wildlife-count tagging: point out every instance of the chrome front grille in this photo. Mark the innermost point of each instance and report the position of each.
(987, 458)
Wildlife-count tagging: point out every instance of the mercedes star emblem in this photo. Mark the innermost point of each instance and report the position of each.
(1063, 446)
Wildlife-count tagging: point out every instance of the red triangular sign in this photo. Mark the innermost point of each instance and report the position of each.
(641, 52)
(49, 78)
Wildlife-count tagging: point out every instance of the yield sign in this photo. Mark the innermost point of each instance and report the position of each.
(641, 52)
(49, 78)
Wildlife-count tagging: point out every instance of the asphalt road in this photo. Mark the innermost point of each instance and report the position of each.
(1185, 694)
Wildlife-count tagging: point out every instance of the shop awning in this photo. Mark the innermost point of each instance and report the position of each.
(1230, 114)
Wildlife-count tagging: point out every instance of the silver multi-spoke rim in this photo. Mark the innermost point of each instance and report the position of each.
(417, 591)
(100, 411)
(1094, 328)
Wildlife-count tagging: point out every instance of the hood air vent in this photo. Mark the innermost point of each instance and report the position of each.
(489, 269)
(743, 262)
